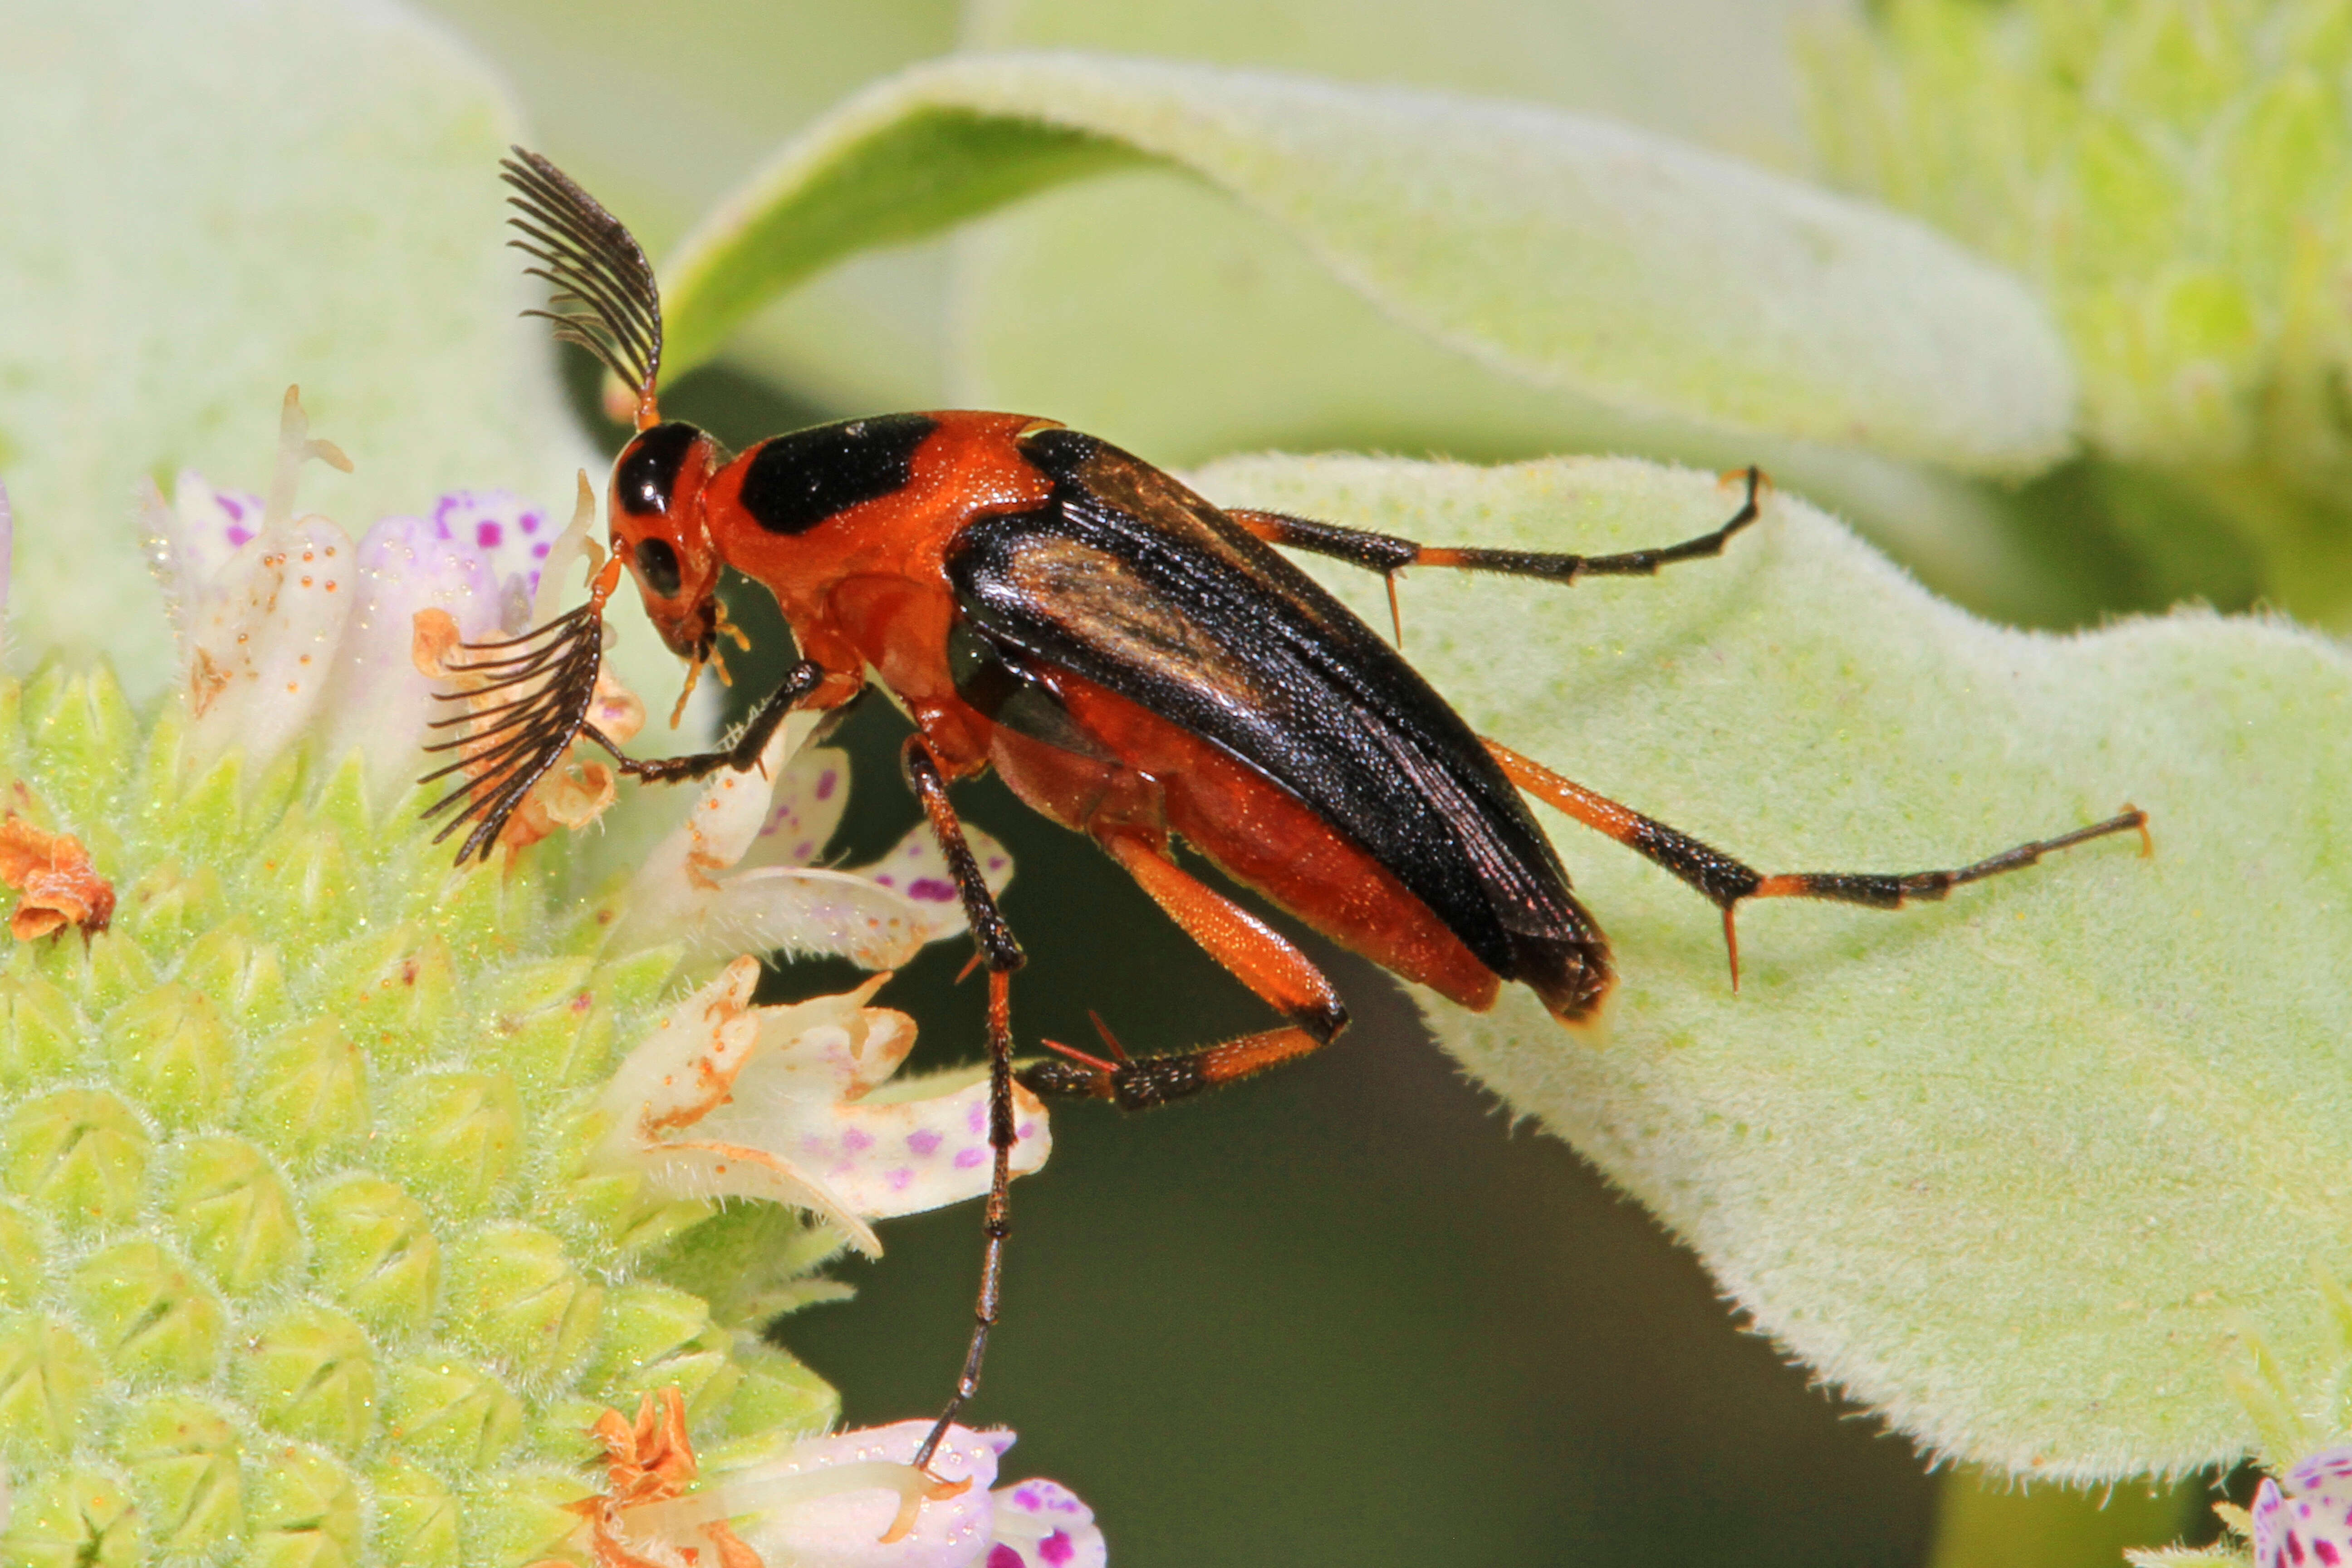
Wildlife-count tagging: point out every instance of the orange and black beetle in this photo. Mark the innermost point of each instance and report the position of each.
(1137, 664)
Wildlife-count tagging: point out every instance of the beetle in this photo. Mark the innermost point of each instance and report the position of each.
(1136, 663)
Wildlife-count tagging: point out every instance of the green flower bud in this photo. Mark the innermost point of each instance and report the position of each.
(514, 1295)
(184, 1457)
(308, 1091)
(301, 1258)
(373, 1252)
(77, 1155)
(22, 1258)
(416, 1516)
(170, 1050)
(151, 1316)
(306, 1513)
(311, 1372)
(41, 1034)
(452, 1415)
(80, 1517)
(2178, 179)
(241, 976)
(453, 1137)
(233, 1211)
(49, 1379)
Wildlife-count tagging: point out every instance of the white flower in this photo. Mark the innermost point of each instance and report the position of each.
(2307, 1521)
(852, 1500)
(289, 631)
(788, 1103)
(878, 915)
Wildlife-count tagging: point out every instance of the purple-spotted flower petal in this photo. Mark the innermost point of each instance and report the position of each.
(404, 568)
(287, 629)
(509, 536)
(855, 1501)
(1041, 1524)
(2304, 1519)
(724, 1099)
(918, 872)
(811, 794)
(878, 916)
(205, 528)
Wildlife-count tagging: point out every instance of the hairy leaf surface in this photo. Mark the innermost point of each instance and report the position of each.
(1569, 252)
(2013, 1167)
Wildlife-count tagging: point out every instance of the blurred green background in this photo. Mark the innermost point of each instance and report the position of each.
(1347, 1313)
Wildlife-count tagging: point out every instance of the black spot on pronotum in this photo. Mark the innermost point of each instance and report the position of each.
(795, 483)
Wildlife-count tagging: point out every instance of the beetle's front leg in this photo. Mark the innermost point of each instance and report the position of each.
(801, 682)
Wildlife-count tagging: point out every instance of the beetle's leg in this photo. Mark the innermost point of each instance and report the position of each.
(1257, 956)
(800, 682)
(1003, 955)
(1388, 554)
(1726, 882)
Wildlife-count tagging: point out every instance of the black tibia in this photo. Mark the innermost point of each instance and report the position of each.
(1381, 553)
(989, 932)
(742, 754)
(507, 747)
(1722, 880)
(1055, 1077)
(1387, 553)
(1725, 881)
(1003, 955)
(1149, 1082)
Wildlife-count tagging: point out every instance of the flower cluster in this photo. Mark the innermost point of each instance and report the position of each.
(341, 1192)
(851, 1499)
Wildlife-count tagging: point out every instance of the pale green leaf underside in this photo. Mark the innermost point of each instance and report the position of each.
(1567, 251)
(199, 204)
(2009, 1168)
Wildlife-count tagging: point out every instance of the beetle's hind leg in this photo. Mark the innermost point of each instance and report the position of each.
(1387, 553)
(1259, 957)
(1728, 883)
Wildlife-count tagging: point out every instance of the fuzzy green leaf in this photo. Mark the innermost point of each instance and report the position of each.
(2013, 1167)
(200, 205)
(1568, 252)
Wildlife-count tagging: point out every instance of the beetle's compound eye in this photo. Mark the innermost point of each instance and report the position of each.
(658, 564)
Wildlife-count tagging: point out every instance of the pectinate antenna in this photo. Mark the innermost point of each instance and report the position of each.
(605, 298)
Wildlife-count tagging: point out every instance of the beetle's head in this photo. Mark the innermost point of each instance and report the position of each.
(660, 532)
